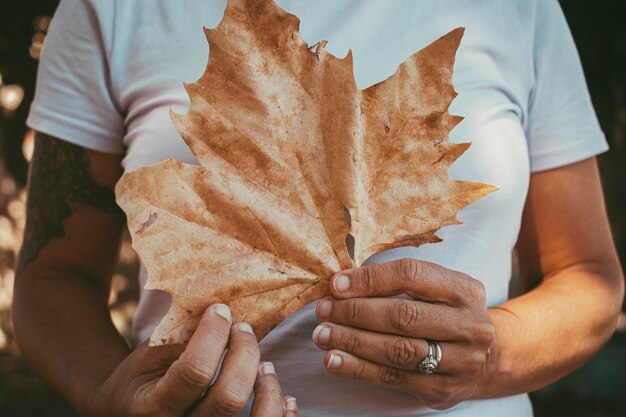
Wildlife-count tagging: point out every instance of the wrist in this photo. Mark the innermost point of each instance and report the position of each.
(497, 368)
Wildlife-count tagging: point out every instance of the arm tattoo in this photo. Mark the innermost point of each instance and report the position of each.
(60, 183)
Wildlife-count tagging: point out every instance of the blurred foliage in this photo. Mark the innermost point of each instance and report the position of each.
(596, 390)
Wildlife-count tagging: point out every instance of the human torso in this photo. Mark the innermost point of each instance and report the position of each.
(164, 46)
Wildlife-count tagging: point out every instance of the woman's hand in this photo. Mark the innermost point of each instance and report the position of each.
(174, 380)
(376, 338)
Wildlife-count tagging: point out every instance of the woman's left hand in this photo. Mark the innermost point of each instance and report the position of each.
(376, 338)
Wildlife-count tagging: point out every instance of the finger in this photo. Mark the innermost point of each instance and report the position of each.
(350, 366)
(268, 395)
(397, 351)
(230, 393)
(419, 279)
(397, 316)
(190, 375)
(291, 407)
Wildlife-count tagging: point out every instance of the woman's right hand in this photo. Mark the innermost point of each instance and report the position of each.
(173, 381)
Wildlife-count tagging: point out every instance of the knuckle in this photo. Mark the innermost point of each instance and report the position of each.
(489, 334)
(250, 348)
(476, 288)
(448, 390)
(463, 293)
(409, 269)
(194, 374)
(359, 370)
(369, 278)
(350, 342)
(353, 309)
(446, 393)
(275, 395)
(389, 376)
(402, 352)
(219, 332)
(476, 361)
(484, 333)
(405, 315)
(230, 402)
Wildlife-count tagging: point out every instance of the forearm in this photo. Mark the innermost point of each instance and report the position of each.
(553, 329)
(65, 333)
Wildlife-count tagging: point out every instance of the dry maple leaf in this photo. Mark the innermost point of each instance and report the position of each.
(294, 160)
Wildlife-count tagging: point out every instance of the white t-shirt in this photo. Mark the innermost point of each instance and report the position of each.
(112, 68)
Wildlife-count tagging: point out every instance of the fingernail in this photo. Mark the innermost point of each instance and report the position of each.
(341, 283)
(268, 368)
(324, 308)
(245, 327)
(223, 310)
(334, 361)
(321, 334)
(290, 404)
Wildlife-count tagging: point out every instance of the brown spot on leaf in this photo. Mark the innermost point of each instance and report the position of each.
(433, 120)
(151, 219)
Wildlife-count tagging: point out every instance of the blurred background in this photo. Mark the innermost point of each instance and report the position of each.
(598, 389)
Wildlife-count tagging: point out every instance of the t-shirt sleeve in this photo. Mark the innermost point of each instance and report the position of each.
(73, 99)
(562, 125)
